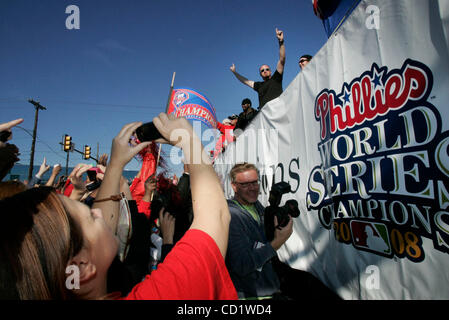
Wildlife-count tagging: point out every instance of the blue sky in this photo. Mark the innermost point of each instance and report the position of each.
(118, 66)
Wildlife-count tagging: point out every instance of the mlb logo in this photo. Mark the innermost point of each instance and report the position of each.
(371, 236)
(179, 98)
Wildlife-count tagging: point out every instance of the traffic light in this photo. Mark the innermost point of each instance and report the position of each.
(67, 143)
(86, 154)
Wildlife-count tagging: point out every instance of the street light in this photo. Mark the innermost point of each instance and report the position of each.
(67, 143)
(86, 154)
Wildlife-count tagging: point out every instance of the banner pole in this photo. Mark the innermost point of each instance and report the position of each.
(166, 110)
(170, 92)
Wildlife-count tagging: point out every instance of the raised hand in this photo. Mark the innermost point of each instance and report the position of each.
(121, 151)
(56, 169)
(167, 222)
(76, 176)
(7, 127)
(43, 168)
(103, 159)
(280, 35)
(232, 68)
(176, 131)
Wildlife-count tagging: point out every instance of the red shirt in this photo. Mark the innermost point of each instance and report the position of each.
(193, 270)
(145, 208)
(137, 188)
(227, 134)
(68, 188)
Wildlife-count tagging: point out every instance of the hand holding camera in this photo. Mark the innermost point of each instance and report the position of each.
(175, 131)
(121, 151)
(166, 129)
(76, 177)
(277, 217)
(281, 234)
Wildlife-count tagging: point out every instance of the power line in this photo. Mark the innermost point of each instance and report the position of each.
(41, 141)
(103, 104)
(26, 130)
(51, 149)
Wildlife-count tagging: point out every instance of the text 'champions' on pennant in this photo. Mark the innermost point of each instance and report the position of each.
(192, 105)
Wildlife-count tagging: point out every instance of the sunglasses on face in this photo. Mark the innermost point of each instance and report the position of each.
(263, 70)
(303, 60)
(248, 184)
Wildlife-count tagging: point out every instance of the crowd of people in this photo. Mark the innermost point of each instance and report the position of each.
(154, 238)
(47, 229)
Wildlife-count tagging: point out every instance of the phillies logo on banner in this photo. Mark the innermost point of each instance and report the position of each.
(383, 182)
(192, 105)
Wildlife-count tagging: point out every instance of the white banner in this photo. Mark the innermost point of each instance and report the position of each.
(362, 136)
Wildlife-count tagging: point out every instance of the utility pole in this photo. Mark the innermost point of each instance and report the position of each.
(37, 107)
(67, 165)
(68, 147)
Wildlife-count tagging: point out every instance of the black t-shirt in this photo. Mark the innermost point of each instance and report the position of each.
(245, 118)
(270, 89)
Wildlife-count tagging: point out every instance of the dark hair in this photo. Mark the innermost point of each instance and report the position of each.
(307, 56)
(38, 237)
(176, 204)
(246, 101)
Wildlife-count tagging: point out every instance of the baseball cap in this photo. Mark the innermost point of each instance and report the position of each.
(307, 56)
(246, 101)
(226, 121)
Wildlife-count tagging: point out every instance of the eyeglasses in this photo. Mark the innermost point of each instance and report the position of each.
(303, 60)
(263, 70)
(248, 184)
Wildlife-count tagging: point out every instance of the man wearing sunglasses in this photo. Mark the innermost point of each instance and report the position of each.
(271, 86)
(304, 60)
(249, 252)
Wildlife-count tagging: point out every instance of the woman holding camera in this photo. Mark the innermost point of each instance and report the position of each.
(46, 235)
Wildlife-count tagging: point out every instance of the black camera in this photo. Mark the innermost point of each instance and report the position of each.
(94, 185)
(147, 132)
(283, 214)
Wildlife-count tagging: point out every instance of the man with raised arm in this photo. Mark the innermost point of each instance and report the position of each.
(304, 61)
(271, 86)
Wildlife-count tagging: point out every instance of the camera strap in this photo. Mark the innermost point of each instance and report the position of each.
(124, 227)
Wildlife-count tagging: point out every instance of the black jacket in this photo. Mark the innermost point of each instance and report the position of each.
(245, 118)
